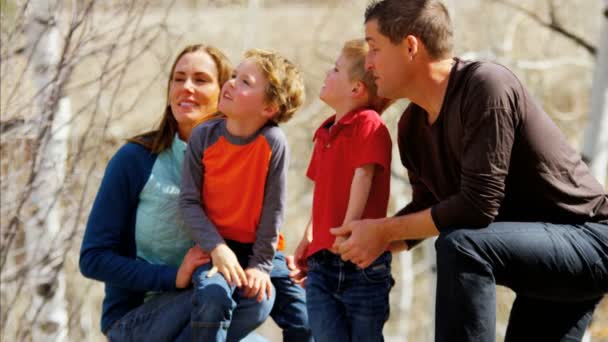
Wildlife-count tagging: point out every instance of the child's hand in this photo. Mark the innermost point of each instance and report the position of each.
(193, 259)
(337, 242)
(300, 254)
(297, 275)
(258, 284)
(226, 262)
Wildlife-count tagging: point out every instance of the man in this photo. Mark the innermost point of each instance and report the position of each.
(492, 175)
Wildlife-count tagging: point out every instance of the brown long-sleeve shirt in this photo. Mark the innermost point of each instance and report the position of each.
(493, 154)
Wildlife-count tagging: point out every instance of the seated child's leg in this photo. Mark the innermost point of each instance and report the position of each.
(367, 301)
(326, 312)
(289, 310)
(248, 315)
(212, 306)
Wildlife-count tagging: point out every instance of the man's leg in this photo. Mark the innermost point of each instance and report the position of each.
(159, 319)
(289, 310)
(212, 306)
(540, 320)
(554, 263)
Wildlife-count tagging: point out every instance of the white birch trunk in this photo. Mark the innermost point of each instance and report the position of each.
(596, 135)
(48, 311)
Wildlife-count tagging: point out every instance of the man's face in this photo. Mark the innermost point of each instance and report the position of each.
(389, 62)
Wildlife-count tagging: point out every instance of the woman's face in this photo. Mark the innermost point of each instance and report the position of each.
(194, 90)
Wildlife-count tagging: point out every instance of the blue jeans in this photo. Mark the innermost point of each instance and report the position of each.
(558, 272)
(346, 303)
(289, 310)
(163, 318)
(220, 312)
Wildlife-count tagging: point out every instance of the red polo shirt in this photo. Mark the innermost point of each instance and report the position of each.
(359, 138)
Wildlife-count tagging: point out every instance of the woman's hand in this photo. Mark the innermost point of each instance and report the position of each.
(226, 262)
(258, 284)
(194, 258)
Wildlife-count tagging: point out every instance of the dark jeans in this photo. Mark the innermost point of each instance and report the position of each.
(167, 316)
(346, 303)
(163, 318)
(221, 312)
(558, 272)
(289, 310)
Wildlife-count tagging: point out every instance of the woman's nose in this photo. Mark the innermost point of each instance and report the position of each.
(189, 85)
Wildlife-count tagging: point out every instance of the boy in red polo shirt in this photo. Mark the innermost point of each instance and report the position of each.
(350, 167)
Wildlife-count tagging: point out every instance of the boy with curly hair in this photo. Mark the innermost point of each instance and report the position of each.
(233, 194)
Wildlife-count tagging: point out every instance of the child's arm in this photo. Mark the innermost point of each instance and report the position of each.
(359, 192)
(271, 219)
(302, 249)
(202, 230)
(298, 273)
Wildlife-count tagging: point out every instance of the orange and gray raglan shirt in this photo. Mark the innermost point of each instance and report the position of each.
(233, 188)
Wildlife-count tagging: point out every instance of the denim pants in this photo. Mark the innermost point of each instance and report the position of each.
(558, 272)
(167, 316)
(163, 318)
(221, 312)
(289, 310)
(346, 303)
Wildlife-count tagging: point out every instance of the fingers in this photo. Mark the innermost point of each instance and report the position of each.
(289, 260)
(243, 277)
(344, 230)
(212, 272)
(268, 291)
(301, 282)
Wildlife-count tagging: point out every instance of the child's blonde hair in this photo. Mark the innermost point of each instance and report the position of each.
(355, 51)
(285, 82)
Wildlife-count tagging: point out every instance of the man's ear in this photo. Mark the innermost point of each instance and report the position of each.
(411, 44)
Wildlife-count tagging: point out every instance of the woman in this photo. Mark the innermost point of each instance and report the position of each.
(135, 241)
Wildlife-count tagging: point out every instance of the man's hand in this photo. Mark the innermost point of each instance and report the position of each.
(226, 262)
(365, 244)
(258, 284)
(194, 258)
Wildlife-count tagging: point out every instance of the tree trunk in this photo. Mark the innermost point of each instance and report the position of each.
(48, 311)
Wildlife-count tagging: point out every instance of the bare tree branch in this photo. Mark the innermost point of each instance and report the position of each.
(553, 25)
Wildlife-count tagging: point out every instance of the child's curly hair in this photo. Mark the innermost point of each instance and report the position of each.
(285, 82)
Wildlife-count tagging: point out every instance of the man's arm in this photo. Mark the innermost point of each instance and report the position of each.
(369, 238)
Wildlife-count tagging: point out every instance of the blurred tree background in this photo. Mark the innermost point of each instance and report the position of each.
(79, 77)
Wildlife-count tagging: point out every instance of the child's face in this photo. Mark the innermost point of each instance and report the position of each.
(244, 94)
(337, 87)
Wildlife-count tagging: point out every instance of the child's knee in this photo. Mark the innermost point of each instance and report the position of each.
(212, 303)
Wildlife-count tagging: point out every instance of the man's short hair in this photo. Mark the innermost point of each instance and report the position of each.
(427, 20)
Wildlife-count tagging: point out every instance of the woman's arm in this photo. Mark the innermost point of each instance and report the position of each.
(108, 251)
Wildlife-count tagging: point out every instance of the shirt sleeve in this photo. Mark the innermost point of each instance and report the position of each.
(490, 121)
(107, 254)
(274, 203)
(202, 230)
(422, 199)
(373, 143)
